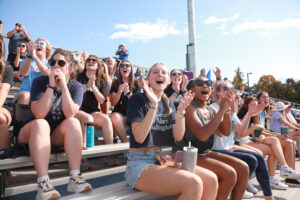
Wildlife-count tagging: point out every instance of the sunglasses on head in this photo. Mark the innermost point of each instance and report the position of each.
(91, 60)
(40, 43)
(201, 83)
(124, 65)
(60, 63)
(22, 45)
(176, 74)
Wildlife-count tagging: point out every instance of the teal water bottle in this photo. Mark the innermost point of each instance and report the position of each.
(89, 134)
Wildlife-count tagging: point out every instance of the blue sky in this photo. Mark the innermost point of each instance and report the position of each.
(259, 36)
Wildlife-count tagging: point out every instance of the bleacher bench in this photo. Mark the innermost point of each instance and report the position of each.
(97, 151)
(117, 191)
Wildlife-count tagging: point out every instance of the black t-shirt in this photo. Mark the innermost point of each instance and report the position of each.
(241, 116)
(90, 103)
(121, 106)
(169, 91)
(8, 76)
(55, 114)
(161, 133)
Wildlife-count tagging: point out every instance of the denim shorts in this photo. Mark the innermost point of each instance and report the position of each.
(137, 162)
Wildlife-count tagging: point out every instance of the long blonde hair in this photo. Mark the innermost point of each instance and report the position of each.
(163, 96)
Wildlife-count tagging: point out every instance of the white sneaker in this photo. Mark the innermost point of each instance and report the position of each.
(77, 184)
(247, 195)
(251, 188)
(45, 191)
(289, 173)
(276, 184)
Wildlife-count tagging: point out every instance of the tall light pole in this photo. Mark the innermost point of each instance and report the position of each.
(248, 80)
(191, 47)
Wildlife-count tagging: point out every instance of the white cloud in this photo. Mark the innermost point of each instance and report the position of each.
(222, 27)
(214, 19)
(267, 27)
(145, 31)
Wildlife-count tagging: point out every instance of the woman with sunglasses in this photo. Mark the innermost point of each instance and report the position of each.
(202, 122)
(95, 94)
(225, 144)
(55, 101)
(177, 88)
(6, 82)
(33, 66)
(154, 122)
(121, 90)
(265, 145)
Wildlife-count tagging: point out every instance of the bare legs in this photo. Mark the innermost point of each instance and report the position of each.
(5, 119)
(167, 181)
(232, 174)
(23, 98)
(37, 134)
(99, 119)
(289, 152)
(118, 123)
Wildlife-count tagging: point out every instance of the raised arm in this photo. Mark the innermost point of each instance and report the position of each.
(141, 129)
(196, 126)
(179, 127)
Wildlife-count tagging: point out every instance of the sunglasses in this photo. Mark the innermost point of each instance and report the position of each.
(124, 65)
(22, 45)
(91, 60)
(76, 54)
(40, 43)
(176, 74)
(201, 83)
(60, 63)
(225, 88)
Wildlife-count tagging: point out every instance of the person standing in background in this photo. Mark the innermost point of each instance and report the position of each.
(16, 37)
(122, 52)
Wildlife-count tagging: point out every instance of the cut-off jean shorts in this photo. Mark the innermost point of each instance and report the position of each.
(137, 162)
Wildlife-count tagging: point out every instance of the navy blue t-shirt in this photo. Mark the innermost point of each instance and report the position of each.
(161, 133)
(55, 114)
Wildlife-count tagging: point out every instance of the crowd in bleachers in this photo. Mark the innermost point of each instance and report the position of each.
(66, 90)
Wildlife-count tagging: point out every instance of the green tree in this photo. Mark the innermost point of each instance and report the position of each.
(238, 80)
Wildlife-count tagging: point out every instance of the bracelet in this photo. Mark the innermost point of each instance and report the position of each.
(180, 115)
(228, 112)
(153, 107)
(49, 86)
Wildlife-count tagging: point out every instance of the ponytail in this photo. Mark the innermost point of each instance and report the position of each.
(166, 101)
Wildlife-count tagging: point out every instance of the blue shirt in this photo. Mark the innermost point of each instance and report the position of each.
(275, 124)
(161, 133)
(262, 117)
(122, 55)
(33, 73)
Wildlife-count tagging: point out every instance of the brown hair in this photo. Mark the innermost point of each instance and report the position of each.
(131, 77)
(244, 108)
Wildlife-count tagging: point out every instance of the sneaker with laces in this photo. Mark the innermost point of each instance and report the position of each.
(45, 191)
(251, 188)
(276, 184)
(247, 195)
(289, 173)
(292, 182)
(77, 184)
